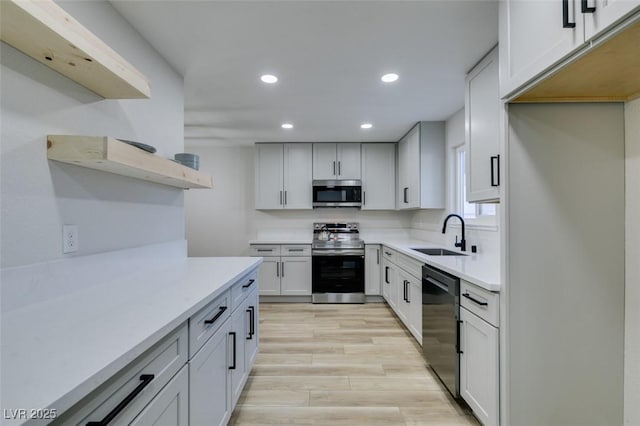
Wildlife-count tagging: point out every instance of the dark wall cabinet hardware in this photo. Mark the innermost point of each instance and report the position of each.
(280, 197)
(145, 379)
(474, 300)
(405, 194)
(378, 256)
(216, 316)
(295, 250)
(247, 285)
(565, 15)
(334, 168)
(495, 170)
(364, 198)
(277, 269)
(252, 316)
(586, 8)
(233, 334)
(282, 269)
(458, 337)
(265, 250)
(285, 198)
(339, 169)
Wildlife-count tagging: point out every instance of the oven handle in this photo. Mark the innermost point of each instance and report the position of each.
(337, 252)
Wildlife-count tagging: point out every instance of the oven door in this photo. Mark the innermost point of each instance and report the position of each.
(338, 278)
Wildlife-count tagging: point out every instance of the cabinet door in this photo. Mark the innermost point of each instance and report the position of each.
(295, 274)
(269, 169)
(607, 13)
(378, 176)
(479, 367)
(483, 130)
(325, 165)
(237, 369)
(532, 38)
(269, 276)
(348, 157)
(392, 279)
(414, 295)
(170, 407)
(372, 258)
(385, 280)
(209, 381)
(298, 191)
(403, 303)
(409, 170)
(252, 333)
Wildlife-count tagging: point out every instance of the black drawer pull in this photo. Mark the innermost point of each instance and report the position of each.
(247, 285)
(218, 315)
(475, 300)
(233, 333)
(386, 274)
(252, 313)
(264, 250)
(586, 8)
(145, 380)
(406, 198)
(495, 166)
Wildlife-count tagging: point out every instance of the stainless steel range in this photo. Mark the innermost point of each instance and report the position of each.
(337, 257)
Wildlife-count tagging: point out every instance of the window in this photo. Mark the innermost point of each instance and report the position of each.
(464, 209)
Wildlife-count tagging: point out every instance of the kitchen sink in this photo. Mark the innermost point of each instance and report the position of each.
(438, 252)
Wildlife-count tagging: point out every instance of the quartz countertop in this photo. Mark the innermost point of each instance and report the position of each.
(57, 351)
(481, 269)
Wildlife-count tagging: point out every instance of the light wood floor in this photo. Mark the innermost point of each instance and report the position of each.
(341, 365)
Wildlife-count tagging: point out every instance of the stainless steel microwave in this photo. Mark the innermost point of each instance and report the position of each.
(337, 193)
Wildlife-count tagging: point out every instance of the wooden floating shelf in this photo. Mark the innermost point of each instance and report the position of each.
(111, 155)
(44, 31)
(608, 72)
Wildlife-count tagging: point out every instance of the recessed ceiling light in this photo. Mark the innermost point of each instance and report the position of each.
(269, 79)
(287, 126)
(366, 125)
(389, 78)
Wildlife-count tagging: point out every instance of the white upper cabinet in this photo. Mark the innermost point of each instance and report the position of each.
(378, 176)
(336, 161)
(298, 190)
(421, 167)
(534, 34)
(283, 176)
(606, 13)
(482, 130)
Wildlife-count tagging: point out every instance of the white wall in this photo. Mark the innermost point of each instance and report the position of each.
(632, 266)
(427, 224)
(38, 196)
(221, 222)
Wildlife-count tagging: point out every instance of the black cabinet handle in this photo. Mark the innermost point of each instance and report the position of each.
(280, 197)
(216, 316)
(233, 333)
(278, 269)
(334, 168)
(565, 15)
(404, 290)
(251, 311)
(282, 270)
(261, 250)
(339, 169)
(405, 194)
(408, 292)
(386, 274)
(145, 380)
(468, 296)
(364, 198)
(247, 285)
(378, 256)
(458, 350)
(495, 166)
(586, 8)
(285, 198)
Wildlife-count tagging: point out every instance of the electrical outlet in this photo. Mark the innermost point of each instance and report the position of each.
(69, 238)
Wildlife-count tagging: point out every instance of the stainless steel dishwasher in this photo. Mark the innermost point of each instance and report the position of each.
(440, 326)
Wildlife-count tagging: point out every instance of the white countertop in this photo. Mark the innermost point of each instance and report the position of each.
(57, 351)
(480, 269)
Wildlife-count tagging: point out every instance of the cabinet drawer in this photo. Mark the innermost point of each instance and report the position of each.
(139, 382)
(412, 266)
(242, 288)
(265, 250)
(203, 324)
(389, 254)
(481, 302)
(290, 250)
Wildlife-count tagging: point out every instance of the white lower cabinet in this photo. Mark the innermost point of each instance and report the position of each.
(210, 381)
(251, 340)
(237, 368)
(372, 264)
(402, 289)
(479, 366)
(171, 406)
(285, 269)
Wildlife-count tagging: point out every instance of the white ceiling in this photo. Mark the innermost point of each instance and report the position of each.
(328, 55)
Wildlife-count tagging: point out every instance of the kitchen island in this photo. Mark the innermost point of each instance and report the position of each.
(58, 351)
